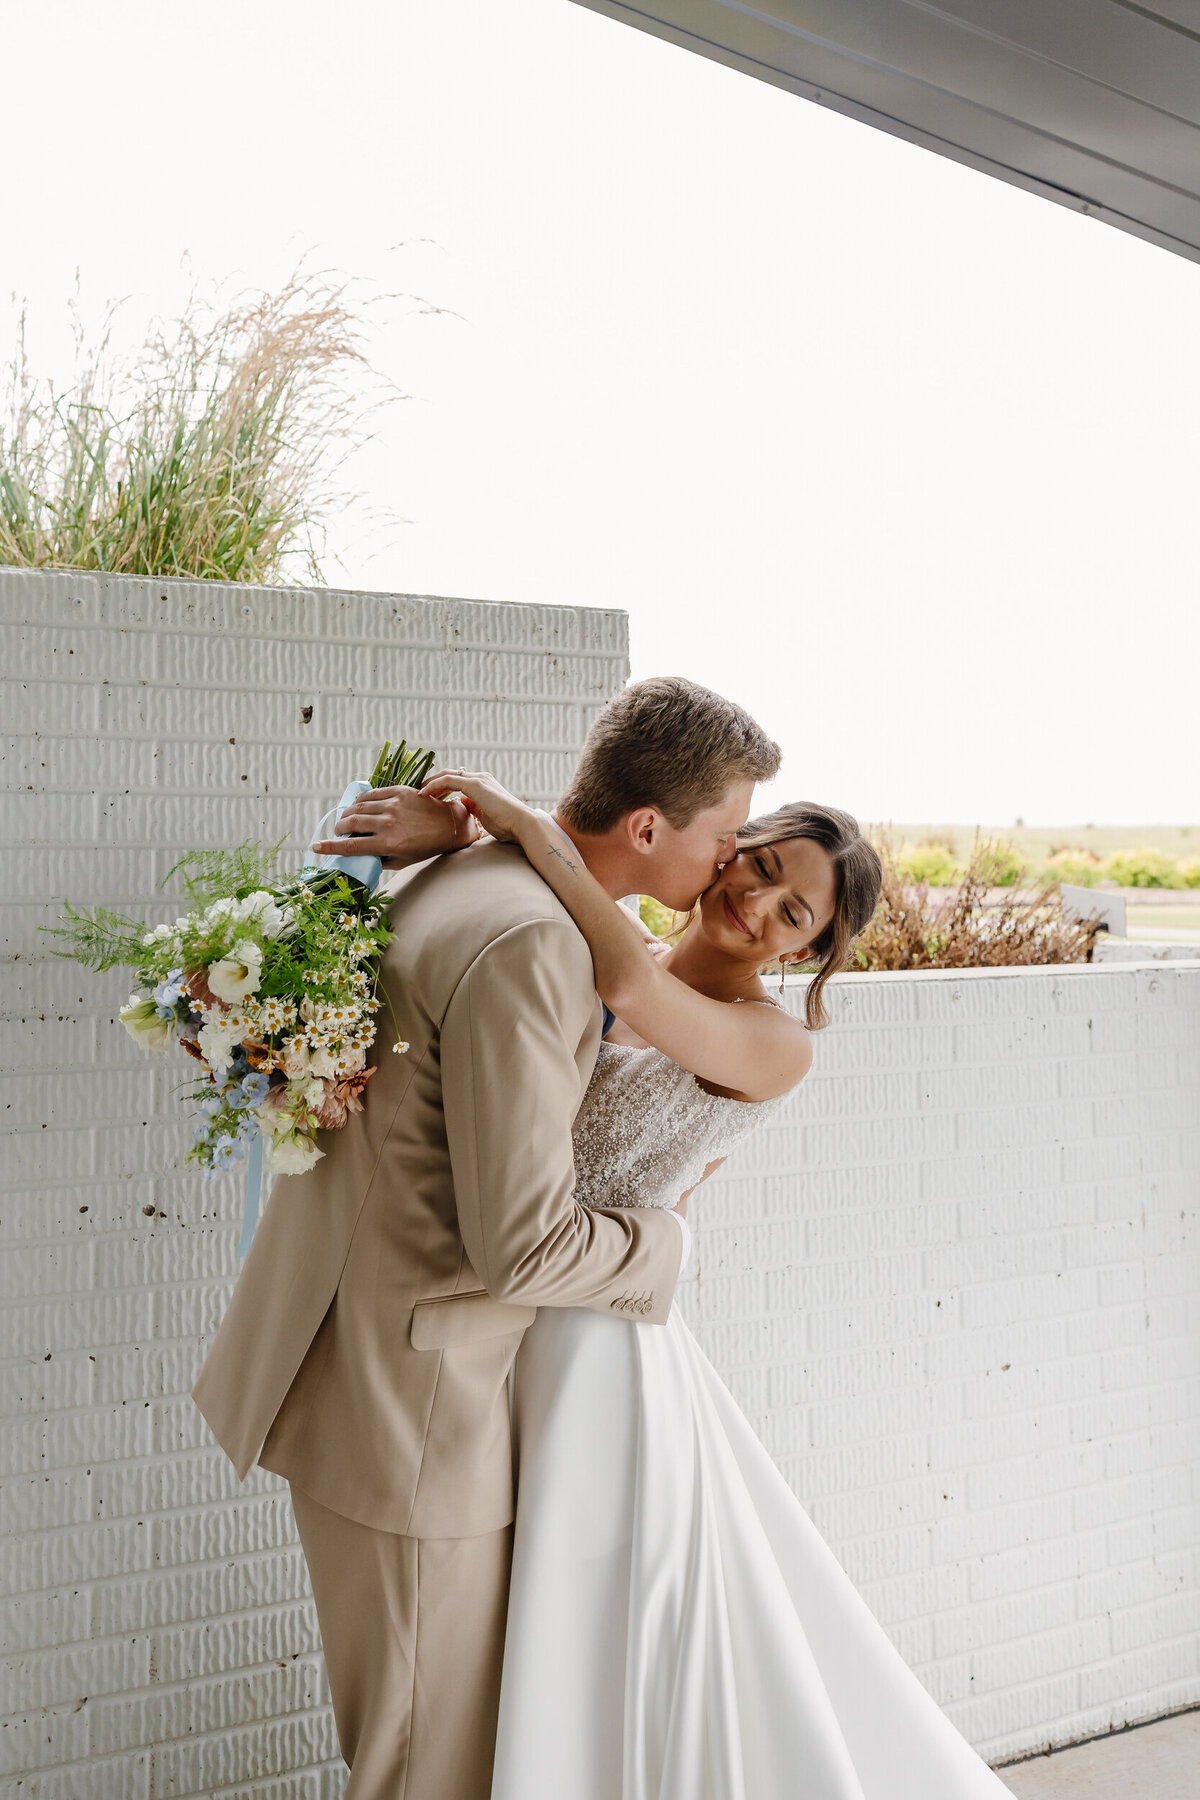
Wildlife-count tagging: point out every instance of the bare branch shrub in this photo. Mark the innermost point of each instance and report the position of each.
(911, 931)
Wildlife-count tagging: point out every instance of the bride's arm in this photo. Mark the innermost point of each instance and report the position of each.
(755, 1051)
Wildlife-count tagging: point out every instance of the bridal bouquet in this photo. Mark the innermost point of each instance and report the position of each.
(270, 983)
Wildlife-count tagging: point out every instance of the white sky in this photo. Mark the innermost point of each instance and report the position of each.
(904, 459)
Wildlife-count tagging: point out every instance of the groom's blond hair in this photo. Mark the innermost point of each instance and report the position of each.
(669, 743)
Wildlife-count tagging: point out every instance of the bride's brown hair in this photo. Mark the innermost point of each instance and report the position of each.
(858, 877)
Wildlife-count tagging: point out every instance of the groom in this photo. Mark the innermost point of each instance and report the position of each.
(366, 1349)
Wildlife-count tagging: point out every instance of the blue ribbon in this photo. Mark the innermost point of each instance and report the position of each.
(253, 1187)
(366, 869)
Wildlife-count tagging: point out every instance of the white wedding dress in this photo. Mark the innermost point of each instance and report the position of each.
(677, 1630)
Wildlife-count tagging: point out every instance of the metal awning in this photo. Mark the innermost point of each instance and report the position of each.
(1093, 103)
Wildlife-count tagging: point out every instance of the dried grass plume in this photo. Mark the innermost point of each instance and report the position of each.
(212, 452)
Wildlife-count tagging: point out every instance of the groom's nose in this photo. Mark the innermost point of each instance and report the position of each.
(728, 849)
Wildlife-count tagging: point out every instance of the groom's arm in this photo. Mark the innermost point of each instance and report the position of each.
(510, 1089)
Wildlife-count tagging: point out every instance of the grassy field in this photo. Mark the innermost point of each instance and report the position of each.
(1158, 918)
(1043, 840)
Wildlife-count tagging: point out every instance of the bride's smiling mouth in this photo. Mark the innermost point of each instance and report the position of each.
(735, 917)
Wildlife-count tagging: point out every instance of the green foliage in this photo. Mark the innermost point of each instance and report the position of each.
(1189, 869)
(930, 862)
(1142, 867)
(98, 938)
(235, 873)
(209, 455)
(1077, 867)
(1001, 863)
(662, 921)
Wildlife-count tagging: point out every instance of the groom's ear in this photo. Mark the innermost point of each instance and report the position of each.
(644, 827)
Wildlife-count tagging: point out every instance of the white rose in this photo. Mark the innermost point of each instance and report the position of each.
(237, 974)
(262, 908)
(258, 907)
(292, 1154)
(312, 1092)
(324, 1063)
(288, 926)
(295, 1057)
(140, 1019)
(216, 1041)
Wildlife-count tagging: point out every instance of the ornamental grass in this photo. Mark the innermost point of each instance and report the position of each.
(210, 453)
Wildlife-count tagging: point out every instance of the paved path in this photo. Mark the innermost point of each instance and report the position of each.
(1151, 1762)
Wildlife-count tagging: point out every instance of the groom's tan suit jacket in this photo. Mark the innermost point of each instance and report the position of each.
(366, 1349)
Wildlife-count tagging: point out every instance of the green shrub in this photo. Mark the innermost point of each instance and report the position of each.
(661, 920)
(1189, 869)
(1079, 867)
(1001, 863)
(930, 862)
(1143, 868)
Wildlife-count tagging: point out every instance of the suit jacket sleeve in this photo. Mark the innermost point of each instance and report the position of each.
(510, 1089)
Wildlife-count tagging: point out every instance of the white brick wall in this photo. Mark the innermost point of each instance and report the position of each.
(156, 1629)
(955, 1288)
(983, 1170)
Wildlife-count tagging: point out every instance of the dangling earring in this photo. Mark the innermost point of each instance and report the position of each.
(782, 967)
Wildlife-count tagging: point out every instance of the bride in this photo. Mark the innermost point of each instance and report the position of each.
(677, 1630)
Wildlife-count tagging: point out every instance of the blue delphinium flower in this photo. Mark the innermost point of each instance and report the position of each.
(168, 994)
(226, 1151)
(250, 1091)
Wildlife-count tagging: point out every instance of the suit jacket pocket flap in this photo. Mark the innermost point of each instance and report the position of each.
(465, 1319)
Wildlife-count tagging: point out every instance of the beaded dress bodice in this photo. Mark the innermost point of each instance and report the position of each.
(646, 1130)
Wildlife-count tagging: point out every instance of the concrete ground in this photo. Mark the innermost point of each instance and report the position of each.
(1152, 1762)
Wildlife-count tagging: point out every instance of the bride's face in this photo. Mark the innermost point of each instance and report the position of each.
(770, 902)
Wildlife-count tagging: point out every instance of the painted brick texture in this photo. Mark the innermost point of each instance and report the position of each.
(157, 1635)
(954, 1286)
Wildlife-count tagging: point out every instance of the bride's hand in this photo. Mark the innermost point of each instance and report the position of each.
(498, 811)
(400, 825)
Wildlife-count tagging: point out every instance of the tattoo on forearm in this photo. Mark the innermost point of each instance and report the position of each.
(553, 850)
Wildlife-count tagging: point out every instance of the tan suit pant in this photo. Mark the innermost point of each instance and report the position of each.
(413, 1630)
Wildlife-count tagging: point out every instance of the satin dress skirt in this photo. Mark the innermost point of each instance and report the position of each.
(677, 1629)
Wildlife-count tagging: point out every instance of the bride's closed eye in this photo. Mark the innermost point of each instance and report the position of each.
(763, 870)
